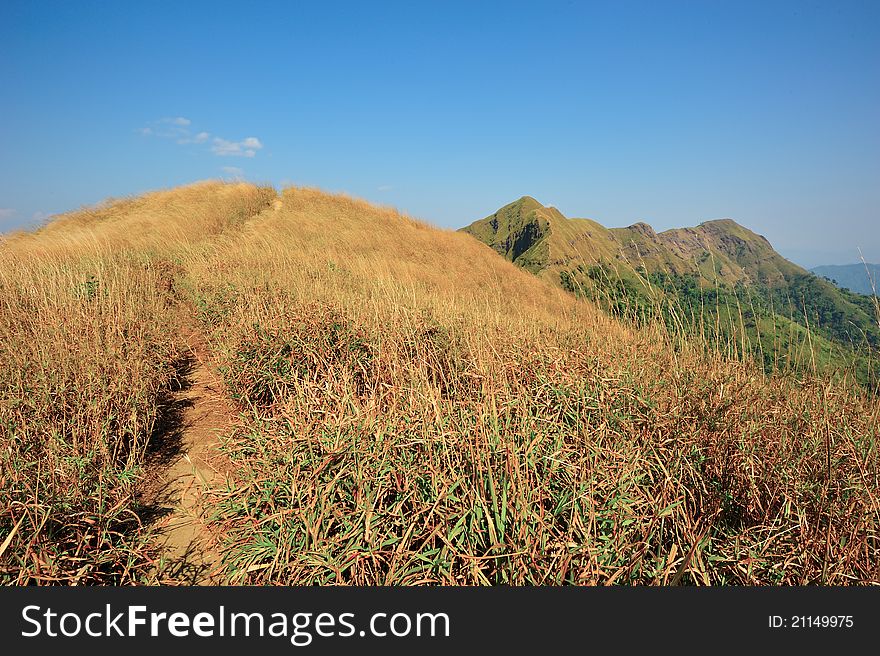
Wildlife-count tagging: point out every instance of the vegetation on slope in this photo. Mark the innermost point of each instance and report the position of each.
(88, 351)
(419, 412)
(415, 409)
(717, 280)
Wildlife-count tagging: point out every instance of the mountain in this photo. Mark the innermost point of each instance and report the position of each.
(226, 383)
(719, 274)
(544, 241)
(857, 278)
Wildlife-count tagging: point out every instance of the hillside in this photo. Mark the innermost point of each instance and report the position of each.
(222, 383)
(543, 241)
(858, 278)
(718, 276)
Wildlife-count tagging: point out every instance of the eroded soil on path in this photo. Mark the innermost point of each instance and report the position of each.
(186, 466)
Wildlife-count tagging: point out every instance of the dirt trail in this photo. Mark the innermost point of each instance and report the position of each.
(187, 462)
(253, 222)
(191, 464)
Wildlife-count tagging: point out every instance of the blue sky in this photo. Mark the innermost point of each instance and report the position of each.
(667, 112)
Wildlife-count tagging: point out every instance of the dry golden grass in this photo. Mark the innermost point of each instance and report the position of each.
(87, 352)
(414, 409)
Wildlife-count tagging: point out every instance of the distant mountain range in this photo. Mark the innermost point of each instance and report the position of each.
(854, 277)
(719, 275)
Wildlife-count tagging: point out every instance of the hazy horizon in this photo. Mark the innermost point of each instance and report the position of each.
(671, 114)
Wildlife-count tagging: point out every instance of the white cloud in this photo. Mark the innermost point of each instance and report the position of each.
(201, 137)
(234, 172)
(168, 128)
(177, 128)
(6, 212)
(163, 131)
(384, 188)
(247, 147)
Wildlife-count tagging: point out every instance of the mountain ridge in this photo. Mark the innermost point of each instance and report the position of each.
(718, 249)
(719, 261)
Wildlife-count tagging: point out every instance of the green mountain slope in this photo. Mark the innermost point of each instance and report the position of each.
(718, 277)
(543, 240)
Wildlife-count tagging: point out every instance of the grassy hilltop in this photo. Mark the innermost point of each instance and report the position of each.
(404, 406)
